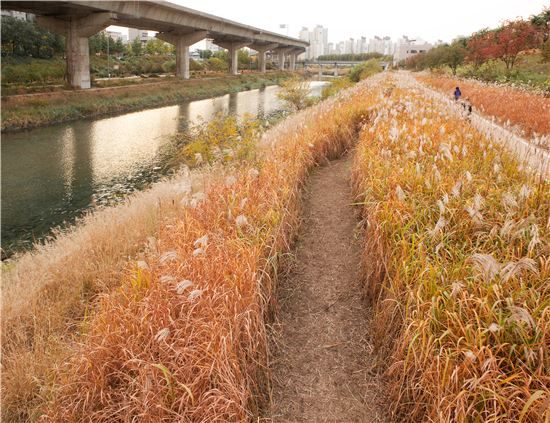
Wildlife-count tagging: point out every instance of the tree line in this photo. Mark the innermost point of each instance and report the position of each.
(504, 43)
(350, 57)
(26, 39)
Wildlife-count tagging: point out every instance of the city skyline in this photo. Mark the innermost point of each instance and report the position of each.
(429, 19)
(418, 25)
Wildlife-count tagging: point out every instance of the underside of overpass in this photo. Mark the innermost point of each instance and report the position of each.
(177, 25)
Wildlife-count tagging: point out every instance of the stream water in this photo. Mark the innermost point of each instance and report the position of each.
(51, 175)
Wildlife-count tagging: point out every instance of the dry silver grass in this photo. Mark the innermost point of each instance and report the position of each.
(183, 337)
(461, 317)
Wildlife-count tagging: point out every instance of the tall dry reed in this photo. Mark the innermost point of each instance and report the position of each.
(179, 331)
(456, 264)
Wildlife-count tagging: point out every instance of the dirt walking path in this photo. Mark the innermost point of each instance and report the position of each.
(322, 369)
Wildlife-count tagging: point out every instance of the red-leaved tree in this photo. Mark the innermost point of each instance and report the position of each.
(479, 47)
(511, 39)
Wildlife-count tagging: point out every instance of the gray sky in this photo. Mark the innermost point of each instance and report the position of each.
(427, 19)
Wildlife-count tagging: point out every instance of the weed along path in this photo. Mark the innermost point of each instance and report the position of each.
(322, 366)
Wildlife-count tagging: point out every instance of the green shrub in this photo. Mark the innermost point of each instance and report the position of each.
(335, 86)
(169, 66)
(195, 66)
(295, 92)
(216, 64)
(364, 70)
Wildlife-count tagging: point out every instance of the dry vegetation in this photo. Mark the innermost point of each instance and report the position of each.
(526, 110)
(456, 264)
(183, 334)
(156, 310)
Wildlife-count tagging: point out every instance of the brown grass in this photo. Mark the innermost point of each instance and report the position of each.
(48, 291)
(147, 351)
(525, 109)
(456, 264)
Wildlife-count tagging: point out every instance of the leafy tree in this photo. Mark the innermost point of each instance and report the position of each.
(221, 54)
(195, 66)
(542, 24)
(454, 55)
(205, 54)
(24, 39)
(157, 46)
(216, 64)
(135, 47)
(243, 59)
(511, 39)
(348, 57)
(118, 46)
(478, 46)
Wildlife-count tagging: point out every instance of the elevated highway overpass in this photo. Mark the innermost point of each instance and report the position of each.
(178, 25)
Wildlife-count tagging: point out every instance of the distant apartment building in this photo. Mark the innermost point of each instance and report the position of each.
(317, 39)
(141, 34)
(18, 15)
(407, 47)
(209, 45)
(349, 46)
(382, 45)
(361, 45)
(115, 35)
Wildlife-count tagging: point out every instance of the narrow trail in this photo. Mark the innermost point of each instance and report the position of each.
(323, 371)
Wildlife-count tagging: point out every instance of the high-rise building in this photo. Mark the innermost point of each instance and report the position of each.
(407, 47)
(304, 34)
(209, 45)
(141, 34)
(349, 46)
(382, 45)
(361, 45)
(317, 39)
(115, 35)
(18, 15)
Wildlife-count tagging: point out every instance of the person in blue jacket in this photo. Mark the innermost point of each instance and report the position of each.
(458, 93)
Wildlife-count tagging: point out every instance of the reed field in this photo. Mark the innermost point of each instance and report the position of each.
(178, 330)
(159, 309)
(528, 111)
(456, 264)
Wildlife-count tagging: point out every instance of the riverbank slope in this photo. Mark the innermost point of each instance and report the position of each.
(24, 112)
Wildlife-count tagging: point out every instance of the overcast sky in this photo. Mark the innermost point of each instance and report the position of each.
(428, 19)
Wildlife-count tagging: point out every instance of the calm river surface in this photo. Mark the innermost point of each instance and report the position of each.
(52, 175)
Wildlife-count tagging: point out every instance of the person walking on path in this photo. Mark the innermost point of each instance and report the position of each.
(457, 94)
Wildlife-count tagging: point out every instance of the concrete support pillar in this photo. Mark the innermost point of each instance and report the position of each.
(233, 51)
(336, 69)
(78, 57)
(182, 60)
(320, 71)
(262, 57)
(76, 32)
(182, 43)
(262, 50)
(292, 66)
(281, 60)
(233, 61)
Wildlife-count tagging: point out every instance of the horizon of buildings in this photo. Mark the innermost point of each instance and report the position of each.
(400, 49)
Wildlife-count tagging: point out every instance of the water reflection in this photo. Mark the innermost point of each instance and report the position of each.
(51, 175)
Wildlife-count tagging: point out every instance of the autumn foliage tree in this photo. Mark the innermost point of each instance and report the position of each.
(504, 43)
(511, 39)
(541, 22)
(479, 47)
